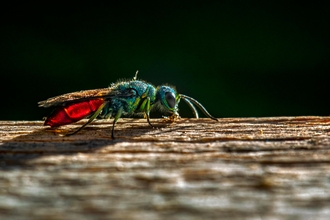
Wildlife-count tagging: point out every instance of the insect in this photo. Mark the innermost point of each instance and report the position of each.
(122, 98)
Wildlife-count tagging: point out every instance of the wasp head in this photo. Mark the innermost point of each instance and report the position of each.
(168, 99)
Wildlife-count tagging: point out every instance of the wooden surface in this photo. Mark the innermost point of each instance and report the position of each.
(237, 168)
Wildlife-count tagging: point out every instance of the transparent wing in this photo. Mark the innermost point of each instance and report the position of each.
(76, 96)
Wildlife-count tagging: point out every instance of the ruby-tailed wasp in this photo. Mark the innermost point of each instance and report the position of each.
(122, 98)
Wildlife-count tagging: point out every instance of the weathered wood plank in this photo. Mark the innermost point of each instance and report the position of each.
(275, 167)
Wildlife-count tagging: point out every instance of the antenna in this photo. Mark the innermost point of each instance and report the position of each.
(135, 77)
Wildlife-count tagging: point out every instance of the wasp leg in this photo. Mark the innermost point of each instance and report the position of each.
(145, 106)
(120, 111)
(106, 112)
(108, 115)
(148, 112)
(90, 119)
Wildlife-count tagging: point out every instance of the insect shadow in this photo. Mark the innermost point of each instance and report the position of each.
(19, 152)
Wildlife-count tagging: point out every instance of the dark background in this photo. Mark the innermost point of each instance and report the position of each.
(238, 59)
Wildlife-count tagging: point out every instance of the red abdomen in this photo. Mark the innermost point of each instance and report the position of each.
(70, 113)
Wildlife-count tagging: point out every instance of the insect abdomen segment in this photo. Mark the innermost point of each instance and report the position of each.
(73, 112)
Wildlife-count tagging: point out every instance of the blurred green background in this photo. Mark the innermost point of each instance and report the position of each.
(238, 59)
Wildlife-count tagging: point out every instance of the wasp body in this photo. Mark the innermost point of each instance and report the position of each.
(122, 98)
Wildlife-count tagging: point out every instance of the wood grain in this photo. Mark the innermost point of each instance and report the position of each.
(237, 168)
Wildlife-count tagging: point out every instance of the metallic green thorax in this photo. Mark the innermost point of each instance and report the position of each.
(135, 96)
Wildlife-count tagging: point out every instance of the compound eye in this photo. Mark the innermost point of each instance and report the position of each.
(170, 99)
